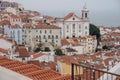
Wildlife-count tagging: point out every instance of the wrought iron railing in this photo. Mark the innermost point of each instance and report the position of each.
(82, 72)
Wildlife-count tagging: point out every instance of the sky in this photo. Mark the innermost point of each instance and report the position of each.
(101, 12)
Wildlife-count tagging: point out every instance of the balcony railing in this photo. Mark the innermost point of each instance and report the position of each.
(82, 72)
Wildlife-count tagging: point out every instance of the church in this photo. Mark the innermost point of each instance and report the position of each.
(73, 25)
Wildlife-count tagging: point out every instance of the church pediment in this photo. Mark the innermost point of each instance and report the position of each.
(72, 17)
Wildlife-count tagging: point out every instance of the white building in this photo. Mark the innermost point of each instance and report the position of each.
(73, 25)
(43, 57)
(14, 32)
(41, 33)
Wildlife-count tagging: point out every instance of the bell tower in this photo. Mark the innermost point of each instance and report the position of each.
(85, 13)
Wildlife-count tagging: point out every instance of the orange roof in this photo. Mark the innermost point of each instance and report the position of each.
(48, 17)
(45, 26)
(70, 15)
(30, 70)
(3, 50)
(65, 42)
(41, 26)
(68, 59)
(36, 55)
(109, 54)
(22, 51)
(43, 75)
(106, 61)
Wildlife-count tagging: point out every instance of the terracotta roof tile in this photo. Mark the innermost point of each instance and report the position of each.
(36, 55)
(70, 15)
(25, 69)
(106, 61)
(68, 59)
(22, 51)
(29, 70)
(65, 42)
(3, 50)
(43, 75)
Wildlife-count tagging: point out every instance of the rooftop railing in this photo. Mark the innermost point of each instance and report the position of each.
(82, 72)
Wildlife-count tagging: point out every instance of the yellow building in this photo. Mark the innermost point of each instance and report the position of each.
(64, 65)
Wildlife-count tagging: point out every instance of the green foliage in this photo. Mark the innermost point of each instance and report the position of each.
(37, 50)
(47, 49)
(40, 45)
(95, 31)
(59, 52)
(105, 47)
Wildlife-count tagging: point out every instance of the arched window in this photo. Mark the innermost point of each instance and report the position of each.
(85, 15)
(73, 27)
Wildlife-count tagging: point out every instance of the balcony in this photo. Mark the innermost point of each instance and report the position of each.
(82, 72)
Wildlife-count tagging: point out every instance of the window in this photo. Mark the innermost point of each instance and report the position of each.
(56, 36)
(48, 36)
(73, 27)
(45, 31)
(67, 27)
(79, 28)
(40, 31)
(73, 18)
(85, 27)
(50, 31)
(44, 37)
(39, 36)
(52, 36)
(36, 36)
(29, 31)
(36, 30)
(85, 15)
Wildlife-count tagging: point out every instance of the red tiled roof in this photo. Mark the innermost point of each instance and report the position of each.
(68, 59)
(25, 69)
(45, 26)
(48, 17)
(65, 42)
(3, 50)
(31, 70)
(110, 54)
(43, 75)
(22, 51)
(106, 61)
(70, 15)
(36, 55)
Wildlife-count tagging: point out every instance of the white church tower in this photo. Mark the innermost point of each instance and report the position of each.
(85, 13)
(74, 26)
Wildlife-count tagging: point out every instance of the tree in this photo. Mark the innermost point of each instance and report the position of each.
(59, 52)
(47, 49)
(39, 48)
(95, 31)
(105, 47)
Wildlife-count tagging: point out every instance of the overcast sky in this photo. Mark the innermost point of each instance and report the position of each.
(102, 12)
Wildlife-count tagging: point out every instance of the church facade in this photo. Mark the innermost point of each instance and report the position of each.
(73, 25)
